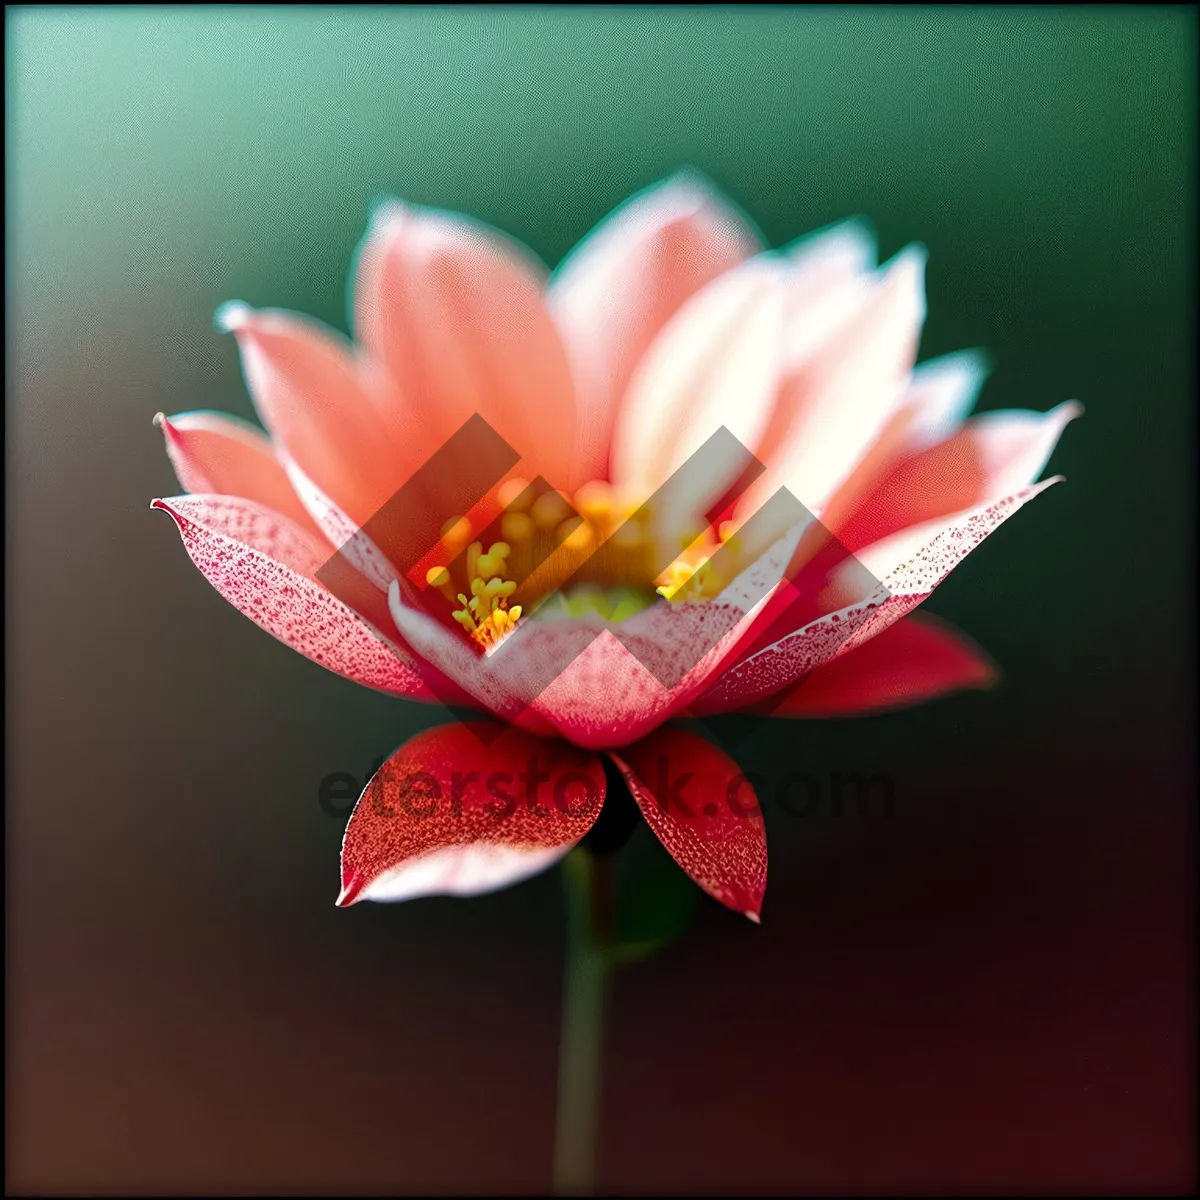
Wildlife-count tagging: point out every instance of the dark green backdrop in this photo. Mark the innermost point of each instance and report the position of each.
(988, 990)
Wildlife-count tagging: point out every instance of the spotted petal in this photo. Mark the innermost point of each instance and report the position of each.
(265, 566)
(704, 812)
(456, 813)
(909, 567)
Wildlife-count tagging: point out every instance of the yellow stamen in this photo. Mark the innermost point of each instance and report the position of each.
(692, 576)
(439, 577)
(604, 538)
(484, 614)
(517, 530)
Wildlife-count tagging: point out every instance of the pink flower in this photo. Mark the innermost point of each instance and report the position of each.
(667, 323)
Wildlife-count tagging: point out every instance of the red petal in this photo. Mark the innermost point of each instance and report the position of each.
(704, 812)
(916, 659)
(454, 812)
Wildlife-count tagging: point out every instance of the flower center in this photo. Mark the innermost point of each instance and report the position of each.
(592, 553)
(485, 614)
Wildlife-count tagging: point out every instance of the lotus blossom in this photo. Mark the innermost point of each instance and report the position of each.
(565, 600)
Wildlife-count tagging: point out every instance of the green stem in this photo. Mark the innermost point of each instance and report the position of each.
(585, 984)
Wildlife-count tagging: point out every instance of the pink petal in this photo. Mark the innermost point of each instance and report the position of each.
(455, 311)
(264, 565)
(457, 812)
(940, 394)
(931, 408)
(613, 691)
(614, 292)
(830, 287)
(991, 456)
(341, 531)
(833, 273)
(221, 455)
(827, 257)
(909, 565)
(905, 480)
(318, 403)
(718, 362)
(918, 658)
(839, 394)
(704, 812)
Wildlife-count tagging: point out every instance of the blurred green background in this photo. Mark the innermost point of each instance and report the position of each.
(988, 991)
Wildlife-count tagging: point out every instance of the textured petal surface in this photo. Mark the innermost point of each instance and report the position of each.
(617, 289)
(704, 812)
(909, 567)
(456, 312)
(916, 659)
(222, 456)
(263, 564)
(455, 811)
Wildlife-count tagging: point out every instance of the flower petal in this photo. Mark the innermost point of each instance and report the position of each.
(457, 812)
(894, 487)
(317, 402)
(455, 311)
(931, 408)
(827, 257)
(918, 658)
(838, 396)
(613, 293)
(717, 363)
(909, 565)
(940, 394)
(830, 286)
(218, 454)
(704, 812)
(351, 541)
(992, 455)
(264, 565)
